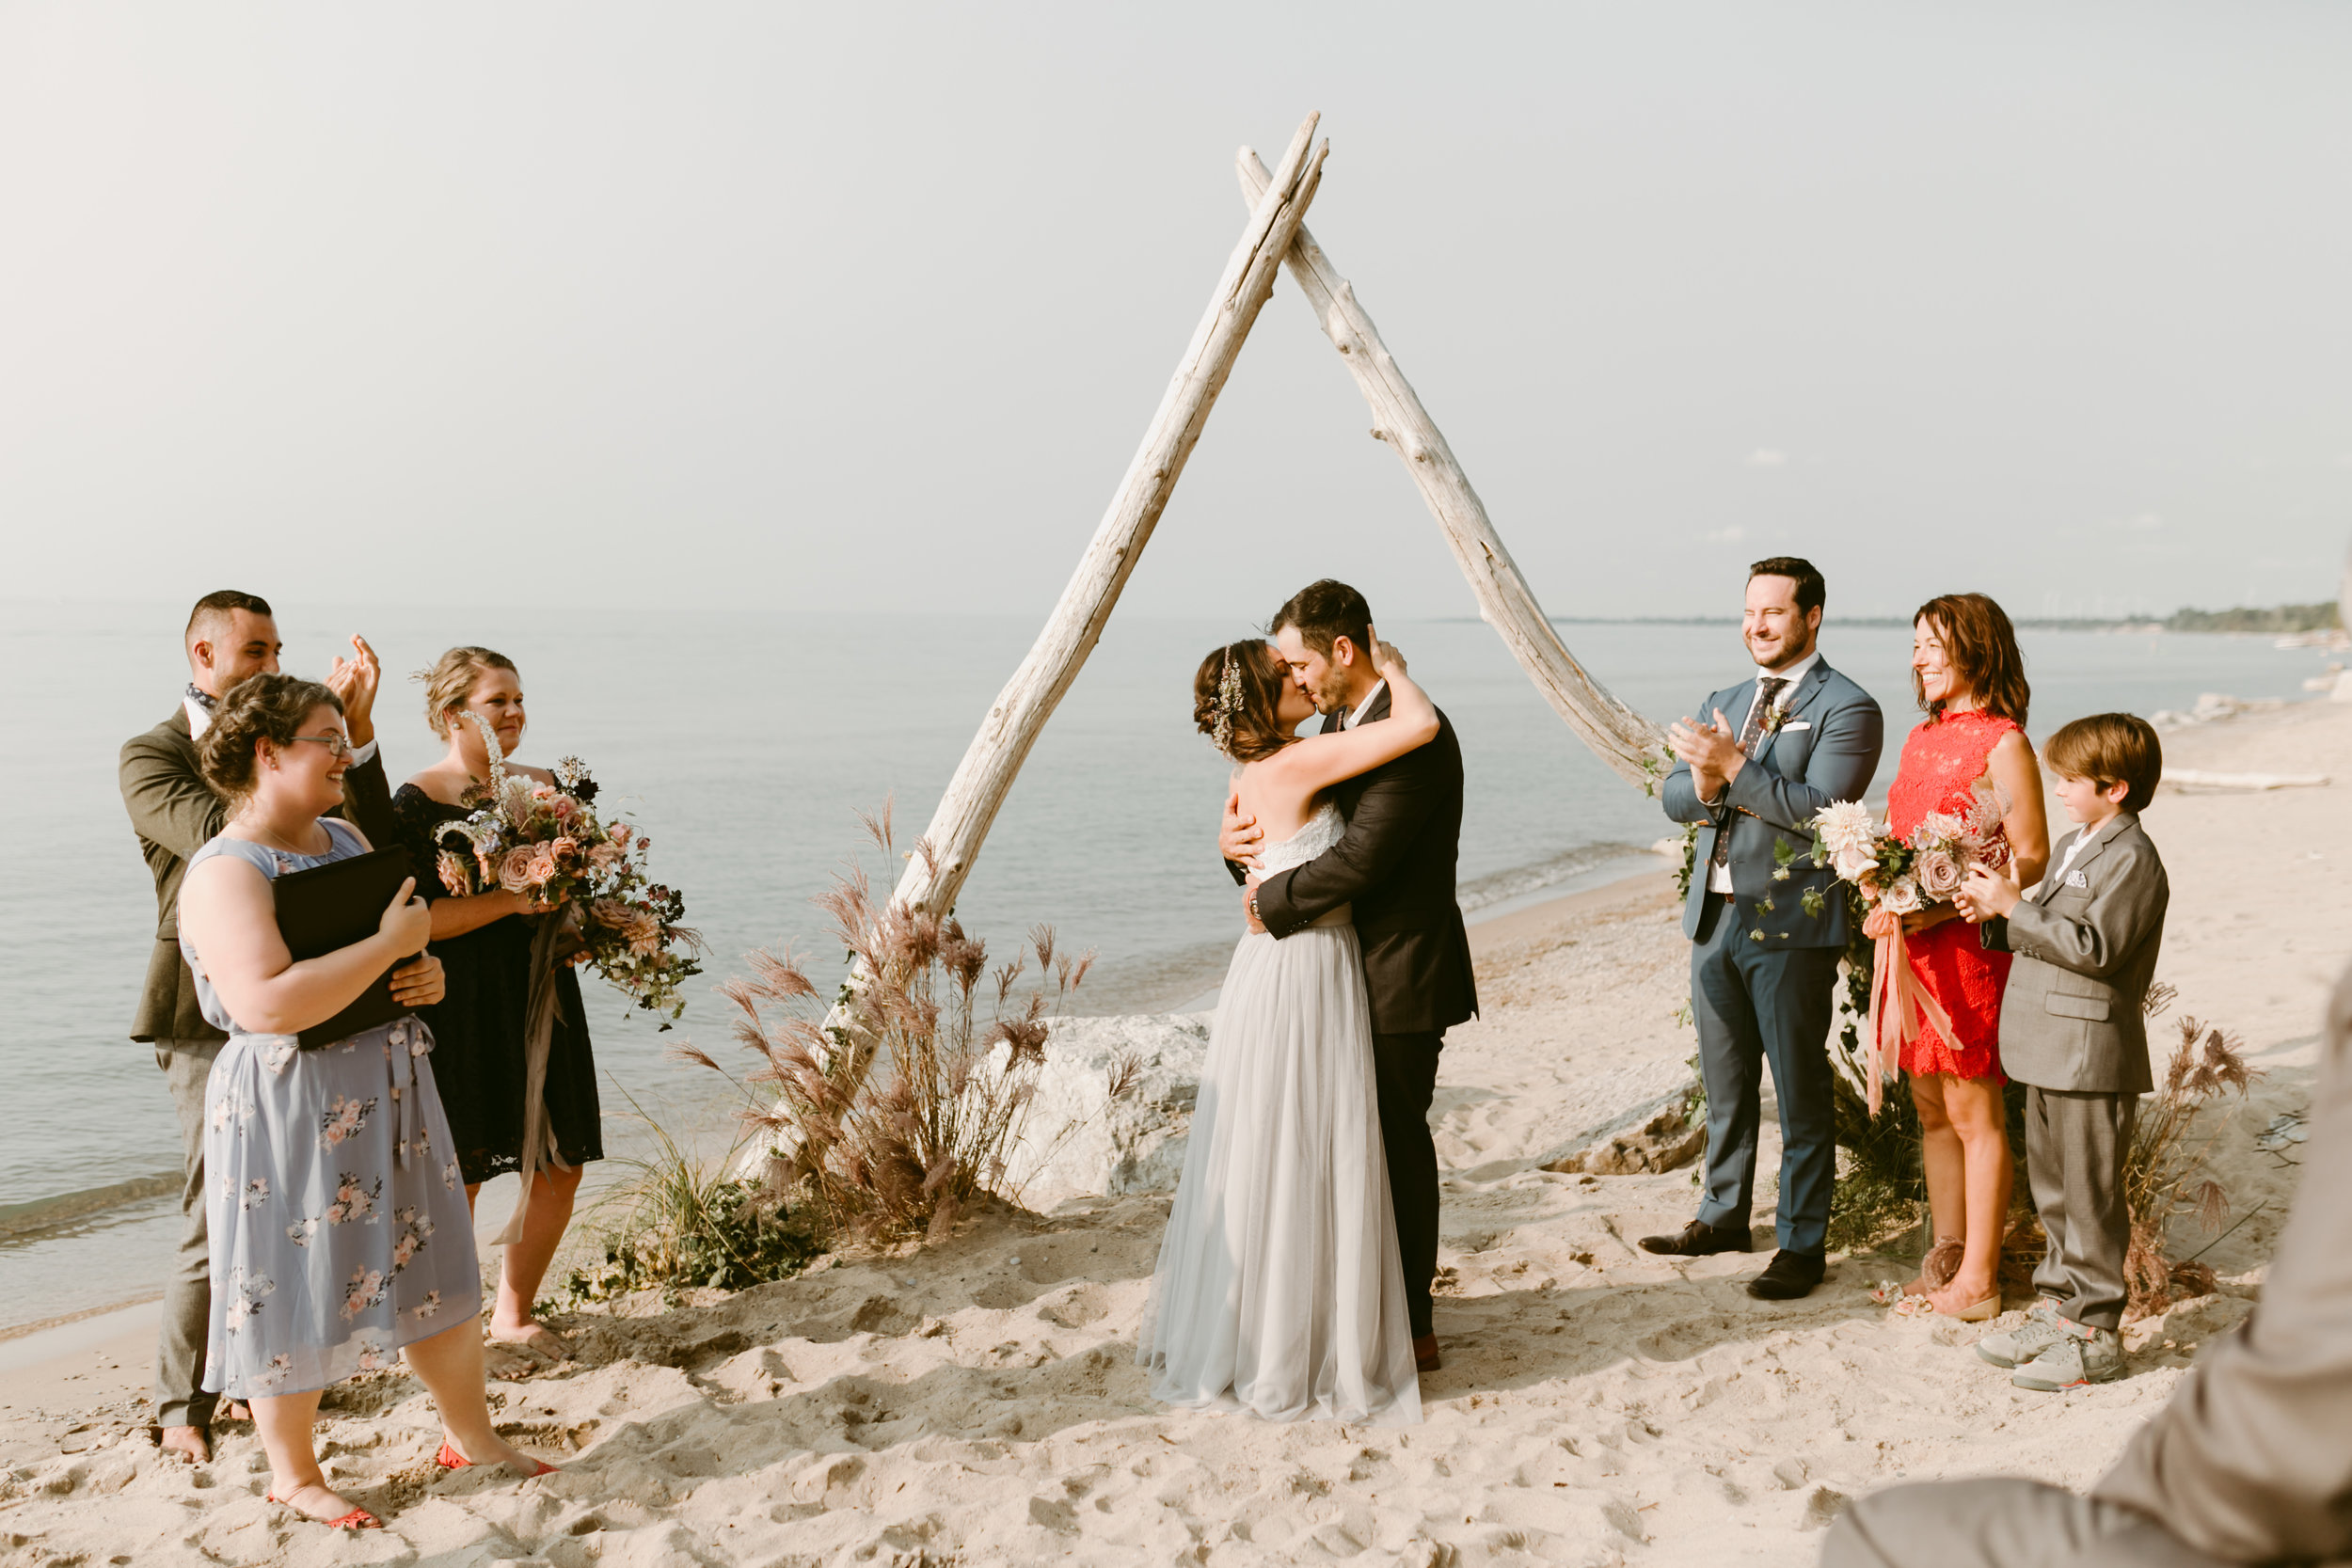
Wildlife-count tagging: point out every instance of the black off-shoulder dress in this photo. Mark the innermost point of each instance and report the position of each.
(478, 1027)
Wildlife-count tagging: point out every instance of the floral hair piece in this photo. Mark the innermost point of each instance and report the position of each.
(1228, 703)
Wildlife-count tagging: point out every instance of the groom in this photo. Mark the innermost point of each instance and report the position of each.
(1396, 865)
(1766, 925)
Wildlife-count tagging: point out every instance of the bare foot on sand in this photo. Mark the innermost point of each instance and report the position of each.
(315, 1499)
(534, 1336)
(492, 1450)
(192, 1444)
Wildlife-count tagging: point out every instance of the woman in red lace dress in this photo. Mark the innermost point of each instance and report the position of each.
(1970, 679)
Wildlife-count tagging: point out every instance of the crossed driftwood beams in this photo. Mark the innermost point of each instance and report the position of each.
(1274, 235)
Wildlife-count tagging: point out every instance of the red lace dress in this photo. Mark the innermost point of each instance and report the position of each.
(1942, 762)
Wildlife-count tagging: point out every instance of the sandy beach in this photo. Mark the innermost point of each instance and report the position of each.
(977, 1401)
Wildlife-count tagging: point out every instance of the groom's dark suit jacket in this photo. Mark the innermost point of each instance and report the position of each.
(1395, 865)
(174, 814)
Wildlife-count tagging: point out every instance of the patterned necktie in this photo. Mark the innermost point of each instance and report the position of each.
(1767, 690)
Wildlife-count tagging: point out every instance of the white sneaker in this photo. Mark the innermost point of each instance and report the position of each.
(2041, 1329)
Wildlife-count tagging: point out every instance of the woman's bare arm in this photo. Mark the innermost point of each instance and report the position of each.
(226, 908)
(1321, 761)
(455, 916)
(2019, 778)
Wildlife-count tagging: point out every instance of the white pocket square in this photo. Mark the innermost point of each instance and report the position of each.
(2076, 878)
(1796, 724)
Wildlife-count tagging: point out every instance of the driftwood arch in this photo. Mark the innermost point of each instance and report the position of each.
(1274, 235)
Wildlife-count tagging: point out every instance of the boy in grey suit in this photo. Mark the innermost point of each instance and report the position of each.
(2073, 1033)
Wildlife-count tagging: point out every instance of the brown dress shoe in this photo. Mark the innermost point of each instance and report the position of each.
(1699, 1239)
(1425, 1357)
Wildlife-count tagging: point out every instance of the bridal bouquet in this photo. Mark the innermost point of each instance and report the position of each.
(546, 841)
(1898, 875)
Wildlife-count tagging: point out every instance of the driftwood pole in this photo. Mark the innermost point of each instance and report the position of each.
(1019, 714)
(1028, 699)
(1621, 737)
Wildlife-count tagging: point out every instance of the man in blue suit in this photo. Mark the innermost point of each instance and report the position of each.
(1766, 925)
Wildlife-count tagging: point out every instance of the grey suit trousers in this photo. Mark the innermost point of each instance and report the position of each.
(2076, 1141)
(179, 1343)
(1998, 1521)
(1754, 1005)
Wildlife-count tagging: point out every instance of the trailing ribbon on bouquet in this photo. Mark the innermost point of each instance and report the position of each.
(1900, 1005)
(539, 1152)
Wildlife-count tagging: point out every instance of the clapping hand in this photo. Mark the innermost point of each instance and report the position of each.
(354, 680)
(1712, 750)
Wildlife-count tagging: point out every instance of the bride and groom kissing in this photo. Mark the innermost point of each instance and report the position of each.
(1294, 1280)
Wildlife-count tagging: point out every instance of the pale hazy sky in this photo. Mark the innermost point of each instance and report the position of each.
(867, 307)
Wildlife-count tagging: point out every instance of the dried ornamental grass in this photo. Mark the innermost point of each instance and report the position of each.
(903, 1104)
(2165, 1173)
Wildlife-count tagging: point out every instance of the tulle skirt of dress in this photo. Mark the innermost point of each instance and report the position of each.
(1279, 1289)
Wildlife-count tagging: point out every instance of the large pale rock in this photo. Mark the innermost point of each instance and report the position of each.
(1080, 1142)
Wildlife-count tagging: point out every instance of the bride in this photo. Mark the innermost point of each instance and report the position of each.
(1279, 1288)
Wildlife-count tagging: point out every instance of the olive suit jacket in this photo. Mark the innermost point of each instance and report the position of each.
(174, 814)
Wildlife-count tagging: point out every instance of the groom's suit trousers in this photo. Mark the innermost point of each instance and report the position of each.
(1756, 1004)
(1404, 1074)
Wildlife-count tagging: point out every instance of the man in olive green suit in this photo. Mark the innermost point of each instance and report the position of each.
(230, 637)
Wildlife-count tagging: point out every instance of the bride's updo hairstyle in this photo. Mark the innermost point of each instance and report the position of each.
(1983, 647)
(1235, 698)
(451, 680)
(257, 708)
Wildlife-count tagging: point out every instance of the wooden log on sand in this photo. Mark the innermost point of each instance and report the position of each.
(1028, 699)
(1627, 742)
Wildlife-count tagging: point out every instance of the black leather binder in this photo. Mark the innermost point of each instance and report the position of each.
(329, 907)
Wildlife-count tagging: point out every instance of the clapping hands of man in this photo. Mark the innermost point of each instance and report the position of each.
(354, 680)
(1712, 750)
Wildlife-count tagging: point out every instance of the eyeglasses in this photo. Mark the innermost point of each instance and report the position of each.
(337, 744)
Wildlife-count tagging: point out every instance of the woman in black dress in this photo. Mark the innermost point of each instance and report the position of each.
(483, 943)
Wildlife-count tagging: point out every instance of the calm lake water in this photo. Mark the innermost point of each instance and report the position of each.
(746, 746)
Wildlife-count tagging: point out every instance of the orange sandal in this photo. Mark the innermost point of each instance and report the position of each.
(449, 1459)
(359, 1518)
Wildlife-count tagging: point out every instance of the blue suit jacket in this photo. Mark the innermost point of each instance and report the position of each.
(1826, 752)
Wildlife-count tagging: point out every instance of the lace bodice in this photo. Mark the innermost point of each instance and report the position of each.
(1941, 763)
(1323, 830)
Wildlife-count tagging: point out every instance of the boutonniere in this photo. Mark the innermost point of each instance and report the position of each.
(1774, 716)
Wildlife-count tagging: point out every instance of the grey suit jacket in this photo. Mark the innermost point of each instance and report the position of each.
(2085, 952)
(2251, 1460)
(1826, 752)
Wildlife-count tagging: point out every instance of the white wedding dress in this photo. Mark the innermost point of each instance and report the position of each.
(1279, 1288)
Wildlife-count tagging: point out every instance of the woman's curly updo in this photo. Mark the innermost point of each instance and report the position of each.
(257, 708)
(1240, 713)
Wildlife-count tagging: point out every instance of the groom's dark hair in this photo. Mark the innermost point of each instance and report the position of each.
(1323, 613)
(1812, 592)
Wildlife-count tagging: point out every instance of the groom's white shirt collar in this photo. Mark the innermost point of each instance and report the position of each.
(1365, 706)
(201, 720)
(1794, 673)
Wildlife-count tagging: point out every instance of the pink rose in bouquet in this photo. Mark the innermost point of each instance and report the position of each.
(1939, 874)
(514, 870)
